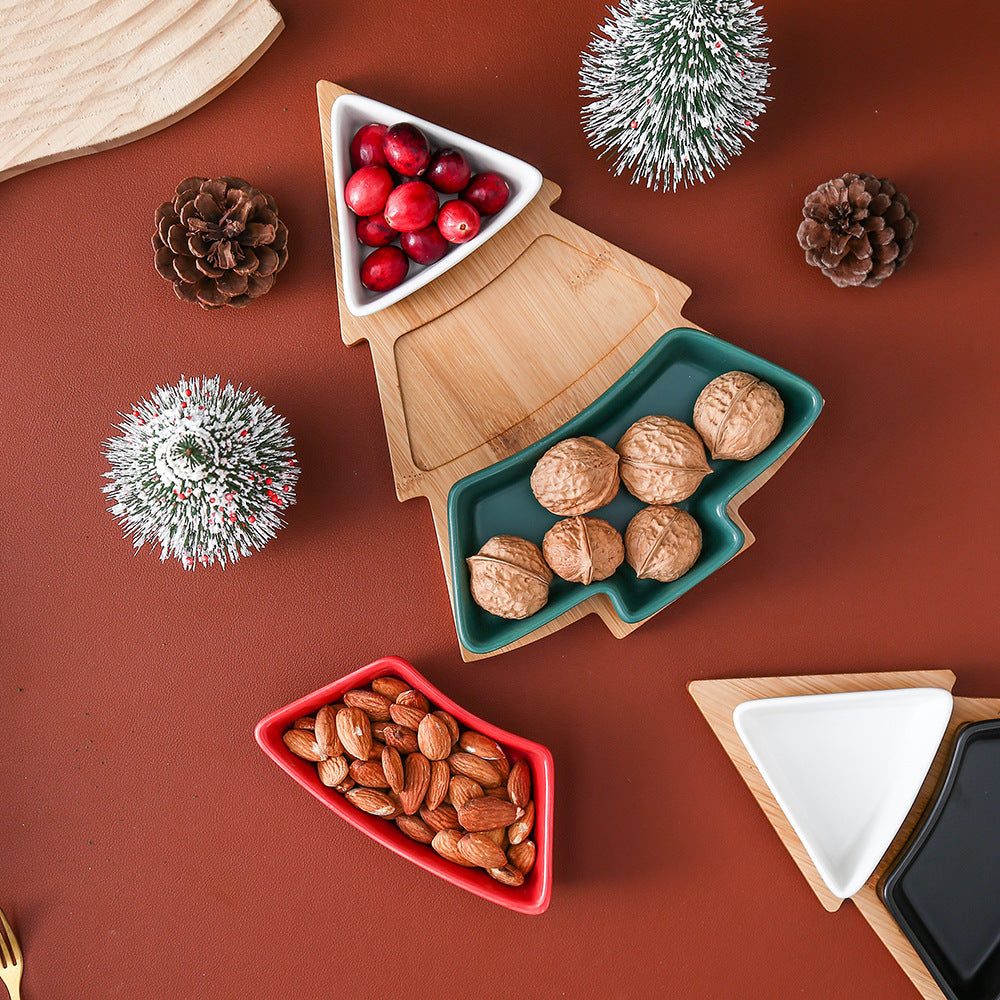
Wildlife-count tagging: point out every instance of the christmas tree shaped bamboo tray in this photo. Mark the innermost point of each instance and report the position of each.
(77, 76)
(503, 349)
(718, 700)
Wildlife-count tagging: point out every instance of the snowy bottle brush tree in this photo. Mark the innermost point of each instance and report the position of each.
(675, 86)
(203, 470)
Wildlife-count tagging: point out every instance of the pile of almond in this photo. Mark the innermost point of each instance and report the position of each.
(392, 754)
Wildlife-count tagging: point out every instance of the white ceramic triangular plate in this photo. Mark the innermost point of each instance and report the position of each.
(349, 113)
(845, 769)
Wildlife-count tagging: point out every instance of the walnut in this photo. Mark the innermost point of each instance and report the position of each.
(509, 577)
(575, 476)
(662, 543)
(738, 415)
(662, 460)
(583, 549)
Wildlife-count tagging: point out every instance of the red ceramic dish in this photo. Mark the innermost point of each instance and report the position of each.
(534, 895)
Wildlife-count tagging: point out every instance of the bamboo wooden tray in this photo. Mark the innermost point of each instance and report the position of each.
(503, 349)
(77, 76)
(718, 698)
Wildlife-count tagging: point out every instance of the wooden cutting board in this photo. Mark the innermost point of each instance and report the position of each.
(77, 76)
(504, 348)
(718, 698)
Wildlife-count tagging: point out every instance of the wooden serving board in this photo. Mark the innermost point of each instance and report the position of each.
(718, 698)
(77, 76)
(504, 348)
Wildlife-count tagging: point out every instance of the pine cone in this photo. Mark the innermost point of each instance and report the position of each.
(857, 229)
(219, 241)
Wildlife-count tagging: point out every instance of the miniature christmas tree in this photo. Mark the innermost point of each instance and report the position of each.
(675, 86)
(206, 472)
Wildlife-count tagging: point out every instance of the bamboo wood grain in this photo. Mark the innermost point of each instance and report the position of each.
(718, 698)
(504, 348)
(77, 76)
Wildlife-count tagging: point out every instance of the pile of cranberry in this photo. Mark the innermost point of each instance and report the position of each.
(395, 190)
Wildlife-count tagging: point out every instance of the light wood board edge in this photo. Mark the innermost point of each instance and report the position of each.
(718, 698)
(249, 19)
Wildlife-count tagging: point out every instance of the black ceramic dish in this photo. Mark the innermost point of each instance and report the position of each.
(943, 889)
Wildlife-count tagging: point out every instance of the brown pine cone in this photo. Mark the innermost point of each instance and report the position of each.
(219, 241)
(857, 229)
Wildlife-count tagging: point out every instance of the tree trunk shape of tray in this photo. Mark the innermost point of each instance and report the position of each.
(506, 347)
(718, 698)
(77, 76)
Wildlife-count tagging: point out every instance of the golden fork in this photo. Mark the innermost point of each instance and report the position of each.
(11, 961)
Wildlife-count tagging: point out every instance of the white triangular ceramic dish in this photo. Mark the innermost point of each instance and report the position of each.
(845, 769)
(349, 113)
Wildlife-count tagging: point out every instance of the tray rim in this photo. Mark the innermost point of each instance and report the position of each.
(890, 880)
(725, 511)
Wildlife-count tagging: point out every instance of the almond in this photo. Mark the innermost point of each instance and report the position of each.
(391, 687)
(368, 773)
(407, 715)
(442, 818)
(521, 827)
(502, 764)
(402, 738)
(487, 813)
(415, 828)
(303, 744)
(445, 842)
(326, 730)
(498, 836)
(370, 801)
(474, 767)
(392, 768)
(519, 783)
(378, 729)
(346, 785)
(482, 746)
(437, 790)
(522, 856)
(375, 753)
(508, 875)
(355, 732)
(481, 851)
(373, 704)
(306, 722)
(433, 738)
(417, 776)
(413, 699)
(461, 789)
(500, 792)
(332, 771)
(449, 721)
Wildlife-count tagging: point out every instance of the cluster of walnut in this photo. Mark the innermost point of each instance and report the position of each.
(659, 460)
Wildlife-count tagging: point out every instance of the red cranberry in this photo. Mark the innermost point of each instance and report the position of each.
(425, 246)
(407, 149)
(366, 147)
(411, 206)
(458, 221)
(487, 193)
(374, 231)
(384, 268)
(367, 190)
(449, 171)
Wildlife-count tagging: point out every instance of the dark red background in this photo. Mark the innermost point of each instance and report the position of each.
(150, 849)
